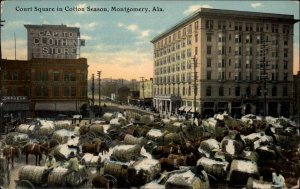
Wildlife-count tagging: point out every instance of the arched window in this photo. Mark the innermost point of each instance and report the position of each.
(274, 91)
(208, 91)
(221, 91)
(190, 91)
(183, 91)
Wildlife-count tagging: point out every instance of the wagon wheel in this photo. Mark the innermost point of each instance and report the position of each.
(24, 184)
(111, 178)
(106, 138)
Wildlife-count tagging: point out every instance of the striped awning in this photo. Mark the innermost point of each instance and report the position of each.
(181, 108)
(193, 110)
(187, 109)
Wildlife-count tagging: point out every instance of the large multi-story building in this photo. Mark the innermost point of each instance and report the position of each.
(52, 80)
(146, 91)
(48, 85)
(220, 54)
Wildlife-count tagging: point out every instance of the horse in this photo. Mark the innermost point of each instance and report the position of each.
(164, 151)
(95, 147)
(170, 164)
(37, 150)
(51, 143)
(10, 152)
(100, 181)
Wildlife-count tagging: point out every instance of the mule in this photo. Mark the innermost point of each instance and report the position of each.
(95, 147)
(102, 182)
(10, 152)
(37, 150)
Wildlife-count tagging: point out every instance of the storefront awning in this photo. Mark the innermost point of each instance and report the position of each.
(58, 106)
(181, 108)
(193, 110)
(187, 109)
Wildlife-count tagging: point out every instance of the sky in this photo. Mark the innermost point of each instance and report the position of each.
(118, 43)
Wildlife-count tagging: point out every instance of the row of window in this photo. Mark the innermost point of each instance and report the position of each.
(223, 25)
(43, 76)
(220, 91)
(43, 91)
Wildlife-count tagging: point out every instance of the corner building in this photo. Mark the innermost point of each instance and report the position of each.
(227, 74)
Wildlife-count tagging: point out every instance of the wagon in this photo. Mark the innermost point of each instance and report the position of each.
(32, 177)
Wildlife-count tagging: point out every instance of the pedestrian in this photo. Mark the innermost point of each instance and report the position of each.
(50, 164)
(72, 143)
(73, 167)
(125, 113)
(278, 180)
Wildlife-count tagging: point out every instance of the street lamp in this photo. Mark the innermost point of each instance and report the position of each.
(99, 91)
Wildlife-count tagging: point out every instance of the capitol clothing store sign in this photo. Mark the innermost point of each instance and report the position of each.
(53, 41)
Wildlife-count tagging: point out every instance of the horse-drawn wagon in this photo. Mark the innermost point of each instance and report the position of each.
(34, 176)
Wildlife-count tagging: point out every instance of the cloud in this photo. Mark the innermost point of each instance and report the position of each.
(194, 8)
(77, 24)
(91, 26)
(256, 5)
(132, 27)
(120, 25)
(86, 37)
(144, 34)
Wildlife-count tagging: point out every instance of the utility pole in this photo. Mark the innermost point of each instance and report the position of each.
(143, 88)
(99, 89)
(1, 102)
(93, 91)
(263, 67)
(195, 87)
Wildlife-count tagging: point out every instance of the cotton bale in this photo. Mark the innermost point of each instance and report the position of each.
(97, 128)
(208, 147)
(186, 180)
(64, 124)
(57, 177)
(114, 123)
(32, 173)
(166, 121)
(116, 169)
(25, 128)
(129, 139)
(155, 135)
(107, 117)
(16, 138)
(258, 184)
(47, 127)
(241, 170)
(231, 147)
(150, 166)
(214, 167)
(5, 172)
(147, 119)
(62, 151)
(172, 138)
(153, 185)
(63, 135)
(125, 153)
(90, 159)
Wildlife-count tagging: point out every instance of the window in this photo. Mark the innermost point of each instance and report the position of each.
(274, 28)
(73, 91)
(286, 41)
(66, 90)
(222, 25)
(229, 37)
(209, 50)
(190, 28)
(196, 25)
(41, 76)
(196, 38)
(248, 38)
(14, 76)
(209, 24)
(208, 91)
(208, 75)
(229, 91)
(258, 91)
(221, 91)
(238, 38)
(238, 26)
(56, 76)
(248, 91)
(285, 91)
(229, 75)
(237, 91)
(4, 75)
(27, 75)
(249, 27)
(196, 50)
(274, 91)
(55, 90)
(259, 27)
(221, 76)
(285, 53)
(285, 76)
(14, 91)
(183, 90)
(229, 49)
(208, 62)
(208, 38)
(285, 64)
(286, 29)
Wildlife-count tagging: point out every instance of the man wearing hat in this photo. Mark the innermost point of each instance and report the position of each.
(50, 164)
(73, 166)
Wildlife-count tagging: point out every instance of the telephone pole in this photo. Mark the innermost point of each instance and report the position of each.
(93, 90)
(195, 87)
(1, 102)
(99, 87)
(143, 88)
(263, 67)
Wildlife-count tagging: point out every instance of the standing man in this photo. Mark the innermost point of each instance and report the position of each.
(73, 166)
(50, 164)
(278, 180)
